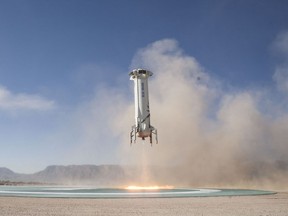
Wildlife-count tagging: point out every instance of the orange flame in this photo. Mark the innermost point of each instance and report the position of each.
(153, 187)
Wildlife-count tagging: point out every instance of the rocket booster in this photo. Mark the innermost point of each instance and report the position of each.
(142, 127)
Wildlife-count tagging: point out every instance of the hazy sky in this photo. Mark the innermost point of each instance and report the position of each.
(58, 56)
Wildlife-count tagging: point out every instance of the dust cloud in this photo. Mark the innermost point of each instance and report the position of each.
(209, 134)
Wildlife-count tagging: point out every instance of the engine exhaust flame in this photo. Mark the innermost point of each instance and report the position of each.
(152, 187)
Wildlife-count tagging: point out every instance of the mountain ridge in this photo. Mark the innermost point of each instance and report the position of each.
(70, 174)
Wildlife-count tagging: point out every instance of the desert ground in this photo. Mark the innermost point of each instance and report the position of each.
(264, 205)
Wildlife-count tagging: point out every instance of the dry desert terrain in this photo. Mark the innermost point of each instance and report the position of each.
(264, 205)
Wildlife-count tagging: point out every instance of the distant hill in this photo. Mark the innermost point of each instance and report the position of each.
(104, 175)
(7, 174)
(256, 173)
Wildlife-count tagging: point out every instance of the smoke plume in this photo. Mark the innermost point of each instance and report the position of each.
(208, 135)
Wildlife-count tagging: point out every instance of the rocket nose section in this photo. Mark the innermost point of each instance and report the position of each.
(139, 73)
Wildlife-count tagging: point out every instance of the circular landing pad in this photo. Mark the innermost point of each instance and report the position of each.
(77, 192)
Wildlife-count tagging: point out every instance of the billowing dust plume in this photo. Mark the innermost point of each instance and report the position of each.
(209, 134)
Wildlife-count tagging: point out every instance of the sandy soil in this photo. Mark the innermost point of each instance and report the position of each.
(246, 205)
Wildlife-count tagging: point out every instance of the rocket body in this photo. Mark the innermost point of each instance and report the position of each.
(142, 127)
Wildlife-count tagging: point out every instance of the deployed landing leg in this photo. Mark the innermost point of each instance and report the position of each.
(134, 131)
(154, 131)
(133, 134)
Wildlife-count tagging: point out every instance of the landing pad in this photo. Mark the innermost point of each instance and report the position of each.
(84, 192)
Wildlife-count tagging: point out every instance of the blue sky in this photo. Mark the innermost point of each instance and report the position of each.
(56, 56)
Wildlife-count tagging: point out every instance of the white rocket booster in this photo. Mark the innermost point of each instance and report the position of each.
(142, 127)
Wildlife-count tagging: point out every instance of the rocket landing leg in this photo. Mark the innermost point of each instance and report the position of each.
(133, 134)
(154, 131)
(156, 136)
